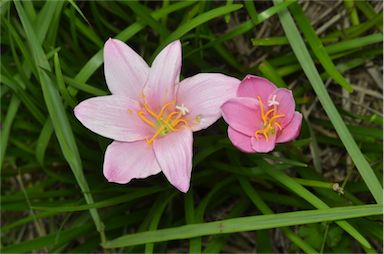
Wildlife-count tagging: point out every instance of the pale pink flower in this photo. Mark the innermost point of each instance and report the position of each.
(151, 114)
(261, 115)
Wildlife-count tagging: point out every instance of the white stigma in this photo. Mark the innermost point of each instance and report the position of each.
(183, 109)
(273, 101)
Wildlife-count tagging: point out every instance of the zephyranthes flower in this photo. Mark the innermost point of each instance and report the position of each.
(151, 114)
(261, 116)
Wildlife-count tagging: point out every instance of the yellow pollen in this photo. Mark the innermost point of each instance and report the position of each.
(166, 121)
(269, 121)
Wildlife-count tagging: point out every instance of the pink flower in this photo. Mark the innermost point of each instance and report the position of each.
(261, 116)
(151, 114)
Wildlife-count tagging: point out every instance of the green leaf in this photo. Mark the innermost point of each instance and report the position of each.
(242, 224)
(6, 128)
(302, 54)
(317, 46)
(193, 23)
(57, 113)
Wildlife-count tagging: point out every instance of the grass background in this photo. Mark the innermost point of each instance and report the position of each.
(320, 193)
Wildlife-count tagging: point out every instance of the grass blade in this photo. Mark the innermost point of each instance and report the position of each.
(302, 54)
(6, 128)
(317, 46)
(242, 224)
(58, 115)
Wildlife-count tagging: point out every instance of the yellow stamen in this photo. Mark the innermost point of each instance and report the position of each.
(164, 107)
(269, 111)
(261, 109)
(278, 125)
(149, 110)
(275, 117)
(150, 141)
(162, 122)
(141, 115)
(269, 121)
(172, 114)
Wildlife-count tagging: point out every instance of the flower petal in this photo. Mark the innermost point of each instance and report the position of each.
(286, 105)
(261, 145)
(174, 154)
(127, 160)
(253, 86)
(241, 141)
(292, 130)
(243, 115)
(164, 74)
(203, 94)
(125, 71)
(113, 117)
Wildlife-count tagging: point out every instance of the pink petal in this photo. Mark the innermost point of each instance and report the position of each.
(243, 115)
(125, 71)
(164, 74)
(127, 160)
(202, 95)
(254, 86)
(261, 145)
(174, 154)
(286, 105)
(113, 117)
(292, 130)
(241, 141)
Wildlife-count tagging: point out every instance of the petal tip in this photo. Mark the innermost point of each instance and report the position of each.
(182, 186)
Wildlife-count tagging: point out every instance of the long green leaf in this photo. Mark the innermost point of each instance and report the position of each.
(242, 224)
(317, 46)
(58, 115)
(303, 56)
(6, 128)
(193, 23)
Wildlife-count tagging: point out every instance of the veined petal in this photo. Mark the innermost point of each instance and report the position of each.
(125, 71)
(262, 145)
(203, 94)
(240, 140)
(254, 86)
(292, 130)
(286, 105)
(174, 154)
(243, 115)
(113, 117)
(164, 74)
(127, 160)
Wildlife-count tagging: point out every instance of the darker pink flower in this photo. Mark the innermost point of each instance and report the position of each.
(151, 114)
(261, 116)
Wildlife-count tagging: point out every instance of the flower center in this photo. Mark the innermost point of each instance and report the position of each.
(169, 119)
(269, 119)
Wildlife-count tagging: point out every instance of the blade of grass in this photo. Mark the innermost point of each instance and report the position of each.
(58, 115)
(143, 13)
(369, 12)
(245, 26)
(105, 203)
(317, 46)
(310, 197)
(351, 10)
(242, 224)
(195, 22)
(6, 127)
(250, 6)
(263, 207)
(159, 207)
(309, 68)
(42, 141)
(60, 82)
(271, 73)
